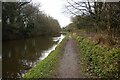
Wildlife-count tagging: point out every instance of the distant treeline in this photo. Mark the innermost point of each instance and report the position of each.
(23, 20)
(98, 17)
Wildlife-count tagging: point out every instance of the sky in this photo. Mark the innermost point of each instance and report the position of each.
(55, 8)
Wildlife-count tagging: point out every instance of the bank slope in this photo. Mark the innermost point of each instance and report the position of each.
(47, 67)
(103, 61)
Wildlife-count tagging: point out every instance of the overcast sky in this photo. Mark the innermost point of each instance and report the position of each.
(55, 9)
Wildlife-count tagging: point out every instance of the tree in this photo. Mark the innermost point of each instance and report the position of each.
(23, 20)
(101, 14)
(12, 19)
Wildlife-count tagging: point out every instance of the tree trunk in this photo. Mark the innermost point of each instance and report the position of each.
(109, 30)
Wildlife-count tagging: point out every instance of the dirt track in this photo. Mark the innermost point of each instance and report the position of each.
(69, 63)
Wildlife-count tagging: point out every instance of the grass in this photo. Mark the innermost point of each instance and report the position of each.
(47, 67)
(103, 61)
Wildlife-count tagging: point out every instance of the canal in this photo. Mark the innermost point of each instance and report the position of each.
(19, 56)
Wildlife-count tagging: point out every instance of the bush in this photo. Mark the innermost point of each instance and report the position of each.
(103, 61)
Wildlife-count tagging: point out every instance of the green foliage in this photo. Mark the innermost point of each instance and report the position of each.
(46, 68)
(83, 22)
(70, 27)
(103, 60)
(23, 19)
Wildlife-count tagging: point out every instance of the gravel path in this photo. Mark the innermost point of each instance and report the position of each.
(69, 63)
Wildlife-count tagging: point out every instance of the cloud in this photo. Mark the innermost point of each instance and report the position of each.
(54, 8)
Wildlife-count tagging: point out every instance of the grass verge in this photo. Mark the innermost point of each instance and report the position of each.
(47, 67)
(101, 60)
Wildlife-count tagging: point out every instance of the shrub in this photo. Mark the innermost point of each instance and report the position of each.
(103, 60)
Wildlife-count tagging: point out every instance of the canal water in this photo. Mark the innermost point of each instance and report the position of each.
(19, 56)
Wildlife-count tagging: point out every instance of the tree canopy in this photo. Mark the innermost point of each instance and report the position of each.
(24, 19)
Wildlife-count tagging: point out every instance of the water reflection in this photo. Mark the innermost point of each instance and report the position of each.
(46, 52)
(20, 55)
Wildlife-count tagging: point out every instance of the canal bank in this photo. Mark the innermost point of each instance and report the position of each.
(47, 67)
(19, 56)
